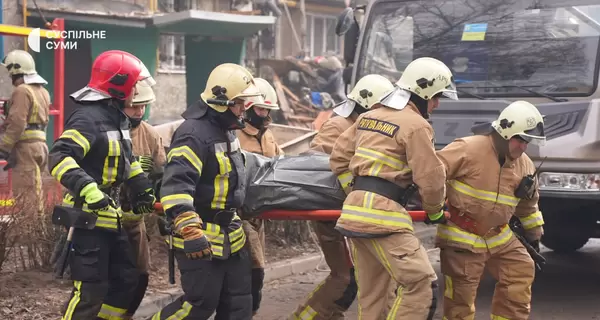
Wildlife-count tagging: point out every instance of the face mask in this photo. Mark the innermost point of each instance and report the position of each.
(254, 119)
(135, 122)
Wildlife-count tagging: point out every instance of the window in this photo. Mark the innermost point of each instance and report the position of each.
(320, 31)
(172, 53)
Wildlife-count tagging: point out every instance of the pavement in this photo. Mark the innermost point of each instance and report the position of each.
(567, 289)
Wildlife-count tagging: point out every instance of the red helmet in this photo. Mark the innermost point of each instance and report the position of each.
(116, 72)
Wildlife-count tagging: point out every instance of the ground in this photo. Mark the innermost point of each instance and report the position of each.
(34, 295)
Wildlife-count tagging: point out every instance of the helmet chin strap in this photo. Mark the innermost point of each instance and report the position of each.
(230, 121)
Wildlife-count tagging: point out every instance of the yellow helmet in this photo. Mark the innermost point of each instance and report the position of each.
(426, 77)
(229, 81)
(143, 94)
(19, 62)
(268, 93)
(522, 119)
(367, 92)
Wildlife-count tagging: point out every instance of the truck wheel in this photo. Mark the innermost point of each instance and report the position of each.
(564, 243)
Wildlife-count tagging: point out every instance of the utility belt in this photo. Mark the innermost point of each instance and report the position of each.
(381, 187)
(470, 225)
(34, 131)
(224, 232)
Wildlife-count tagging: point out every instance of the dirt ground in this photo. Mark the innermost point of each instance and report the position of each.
(35, 295)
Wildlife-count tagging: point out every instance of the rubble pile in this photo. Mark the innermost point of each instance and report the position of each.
(307, 89)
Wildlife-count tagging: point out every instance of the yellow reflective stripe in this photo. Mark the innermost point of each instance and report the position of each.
(345, 179)
(111, 313)
(375, 216)
(188, 154)
(533, 220)
(135, 169)
(455, 234)
(482, 194)
(188, 221)
(78, 138)
(172, 200)
(105, 219)
(8, 140)
(33, 135)
(156, 316)
(496, 317)
(63, 166)
(34, 107)
(381, 158)
(397, 302)
(307, 314)
(74, 301)
(221, 183)
(111, 163)
(238, 244)
(180, 314)
(237, 239)
(449, 289)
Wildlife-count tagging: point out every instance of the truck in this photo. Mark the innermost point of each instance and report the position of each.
(542, 51)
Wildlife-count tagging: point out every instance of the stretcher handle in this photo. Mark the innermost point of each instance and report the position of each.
(416, 215)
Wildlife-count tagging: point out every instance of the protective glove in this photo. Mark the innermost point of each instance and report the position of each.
(143, 203)
(438, 218)
(147, 163)
(195, 243)
(96, 199)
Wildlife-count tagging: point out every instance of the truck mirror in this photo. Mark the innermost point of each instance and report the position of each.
(344, 21)
(350, 42)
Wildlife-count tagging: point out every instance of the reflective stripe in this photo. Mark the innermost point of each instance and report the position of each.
(455, 234)
(307, 314)
(496, 317)
(213, 232)
(180, 314)
(533, 220)
(222, 146)
(172, 200)
(106, 219)
(221, 182)
(8, 140)
(63, 166)
(397, 303)
(111, 163)
(33, 135)
(382, 158)
(136, 169)
(188, 154)
(482, 194)
(74, 301)
(34, 105)
(449, 288)
(345, 179)
(116, 135)
(111, 313)
(375, 216)
(192, 219)
(78, 138)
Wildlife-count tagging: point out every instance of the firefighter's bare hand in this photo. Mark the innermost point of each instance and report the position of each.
(438, 218)
(195, 243)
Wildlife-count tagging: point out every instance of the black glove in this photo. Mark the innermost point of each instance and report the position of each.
(536, 245)
(436, 220)
(143, 203)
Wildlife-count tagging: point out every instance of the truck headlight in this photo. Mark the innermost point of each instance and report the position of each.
(569, 181)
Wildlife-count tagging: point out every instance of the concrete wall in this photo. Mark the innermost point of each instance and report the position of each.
(170, 91)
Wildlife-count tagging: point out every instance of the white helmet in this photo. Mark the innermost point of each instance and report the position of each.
(143, 95)
(268, 93)
(229, 81)
(426, 77)
(522, 119)
(20, 62)
(367, 92)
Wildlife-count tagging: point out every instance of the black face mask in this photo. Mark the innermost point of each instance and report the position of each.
(421, 105)
(135, 122)
(229, 121)
(254, 119)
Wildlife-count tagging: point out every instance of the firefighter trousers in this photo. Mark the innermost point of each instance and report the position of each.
(399, 258)
(138, 238)
(335, 294)
(31, 161)
(103, 273)
(213, 285)
(255, 233)
(511, 266)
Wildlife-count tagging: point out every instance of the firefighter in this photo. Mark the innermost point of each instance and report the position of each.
(257, 138)
(387, 150)
(484, 173)
(150, 153)
(23, 143)
(336, 293)
(203, 186)
(91, 157)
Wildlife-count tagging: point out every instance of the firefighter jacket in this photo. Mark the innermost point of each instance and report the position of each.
(28, 112)
(326, 137)
(260, 141)
(96, 147)
(205, 174)
(395, 146)
(482, 191)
